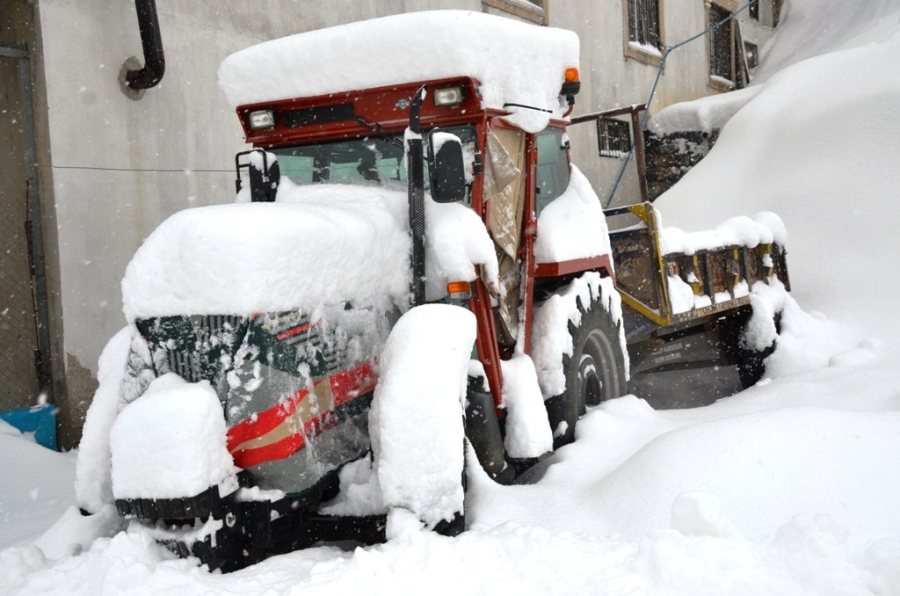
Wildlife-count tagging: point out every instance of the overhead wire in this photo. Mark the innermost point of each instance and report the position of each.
(665, 54)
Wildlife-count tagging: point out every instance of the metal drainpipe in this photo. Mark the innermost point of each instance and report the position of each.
(151, 42)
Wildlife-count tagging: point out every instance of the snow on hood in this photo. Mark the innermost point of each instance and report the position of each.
(515, 62)
(320, 244)
(572, 226)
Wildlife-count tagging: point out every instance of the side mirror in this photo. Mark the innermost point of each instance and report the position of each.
(263, 174)
(446, 167)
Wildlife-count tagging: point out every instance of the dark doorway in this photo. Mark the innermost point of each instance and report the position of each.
(23, 365)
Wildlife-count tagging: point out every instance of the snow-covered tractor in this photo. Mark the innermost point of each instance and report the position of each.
(413, 272)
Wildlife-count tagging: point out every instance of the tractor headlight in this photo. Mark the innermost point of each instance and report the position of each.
(261, 119)
(448, 97)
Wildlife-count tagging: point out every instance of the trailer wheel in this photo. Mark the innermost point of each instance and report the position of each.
(750, 363)
(594, 372)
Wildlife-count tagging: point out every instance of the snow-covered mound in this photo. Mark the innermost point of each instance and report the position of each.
(514, 61)
(817, 145)
(320, 244)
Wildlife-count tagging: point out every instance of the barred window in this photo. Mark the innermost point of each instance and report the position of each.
(614, 137)
(643, 22)
(751, 51)
(721, 61)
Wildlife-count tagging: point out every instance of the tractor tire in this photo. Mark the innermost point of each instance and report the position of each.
(750, 363)
(595, 372)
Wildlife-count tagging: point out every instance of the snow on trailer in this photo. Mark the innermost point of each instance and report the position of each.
(728, 283)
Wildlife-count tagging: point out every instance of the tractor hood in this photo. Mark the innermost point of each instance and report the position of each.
(320, 244)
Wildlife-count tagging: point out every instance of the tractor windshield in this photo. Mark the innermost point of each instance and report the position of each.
(373, 160)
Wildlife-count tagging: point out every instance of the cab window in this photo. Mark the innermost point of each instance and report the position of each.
(552, 167)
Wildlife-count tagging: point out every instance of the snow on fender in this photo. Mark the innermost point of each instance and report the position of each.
(170, 443)
(416, 420)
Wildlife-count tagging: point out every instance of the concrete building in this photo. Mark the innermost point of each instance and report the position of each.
(88, 168)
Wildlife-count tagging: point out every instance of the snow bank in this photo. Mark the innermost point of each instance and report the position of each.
(36, 486)
(321, 244)
(810, 28)
(171, 443)
(515, 62)
(573, 225)
(817, 144)
(416, 420)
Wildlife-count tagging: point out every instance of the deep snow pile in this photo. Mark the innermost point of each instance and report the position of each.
(816, 143)
(787, 488)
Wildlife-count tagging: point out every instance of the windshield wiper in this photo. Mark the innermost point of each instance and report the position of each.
(377, 129)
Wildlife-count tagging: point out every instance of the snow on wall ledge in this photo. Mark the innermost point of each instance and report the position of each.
(515, 62)
(705, 114)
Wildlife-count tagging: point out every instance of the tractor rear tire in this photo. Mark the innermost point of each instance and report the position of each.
(595, 372)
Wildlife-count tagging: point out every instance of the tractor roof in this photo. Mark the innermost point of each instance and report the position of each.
(515, 62)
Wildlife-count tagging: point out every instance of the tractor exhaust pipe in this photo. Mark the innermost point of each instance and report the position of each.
(416, 177)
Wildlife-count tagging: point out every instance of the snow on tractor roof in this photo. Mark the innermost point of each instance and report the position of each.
(515, 62)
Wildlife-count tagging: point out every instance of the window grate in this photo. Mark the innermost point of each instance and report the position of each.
(721, 63)
(643, 22)
(614, 137)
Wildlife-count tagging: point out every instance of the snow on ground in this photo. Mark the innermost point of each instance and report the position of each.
(787, 488)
